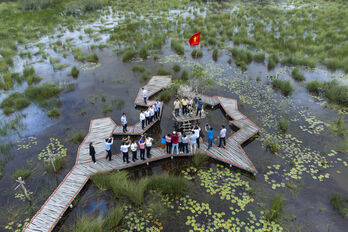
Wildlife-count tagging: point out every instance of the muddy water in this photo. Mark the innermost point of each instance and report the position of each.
(114, 79)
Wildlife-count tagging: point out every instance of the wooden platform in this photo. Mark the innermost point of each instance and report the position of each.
(156, 84)
(56, 205)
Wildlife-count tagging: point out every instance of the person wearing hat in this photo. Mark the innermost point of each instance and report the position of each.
(175, 142)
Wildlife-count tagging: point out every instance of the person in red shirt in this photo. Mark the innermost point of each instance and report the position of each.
(175, 142)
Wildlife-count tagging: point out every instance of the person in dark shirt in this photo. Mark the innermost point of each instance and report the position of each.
(92, 152)
(199, 107)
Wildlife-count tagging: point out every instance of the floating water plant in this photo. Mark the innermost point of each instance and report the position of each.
(276, 209)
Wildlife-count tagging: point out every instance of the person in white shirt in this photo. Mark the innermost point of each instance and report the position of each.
(155, 110)
(148, 142)
(222, 136)
(147, 117)
(142, 119)
(193, 142)
(144, 95)
(108, 142)
(152, 113)
(197, 132)
(124, 149)
(159, 106)
(134, 148)
(124, 122)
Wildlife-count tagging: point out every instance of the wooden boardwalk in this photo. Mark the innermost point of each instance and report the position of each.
(56, 205)
(184, 118)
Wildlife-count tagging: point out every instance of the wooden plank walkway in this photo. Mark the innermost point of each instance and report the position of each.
(156, 84)
(184, 118)
(56, 205)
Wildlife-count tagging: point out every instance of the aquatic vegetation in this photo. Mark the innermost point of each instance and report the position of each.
(101, 180)
(54, 112)
(167, 93)
(259, 56)
(167, 184)
(143, 53)
(107, 108)
(43, 92)
(273, 59)
(113, 219)
(119, 103)
(129, 54)
(177, 46)
(242, 57)
(176, 68)
(144, 77)
(78, 54)
(215, 54)
(336, 93)
(272, 146)
(197, 53)
(30, 75)
(297, 75)
(76, 137)
(285, 86)
(21, 172)
(314, 86)
(138, 68)
(339, 127)
(276, 209)
(185, 75)
(35, 4)
(340, 204)
(283, 125)
(85, 224)
(199, 159)
(92, 58)
(163, 72)
(13, 102)
(74, 72)
(54, 152)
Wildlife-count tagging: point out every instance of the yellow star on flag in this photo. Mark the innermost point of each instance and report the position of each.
(194, 39)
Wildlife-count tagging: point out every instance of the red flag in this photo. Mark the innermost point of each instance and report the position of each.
(194, 40)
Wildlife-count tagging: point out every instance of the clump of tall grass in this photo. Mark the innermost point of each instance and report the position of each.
(167, 184)
(338, 126)
(53, 113)
(176, 67)
(273, 59)
(177, 46)
(113, 219)
(22, 172)
(242, 57)
(340, 204)
(144, 77)
(276, 209)
(215, 54)
(35, 4)
(185, 75)
(285, 86)
(78, 54)
(297, 75)
(76, 137)
(163, 71)
(77, 7)
(336, 93)
(196, 53)
(13, 102)
(107, 108)
(272, 145)
(314, 86)
(85, 224)
(101, 180)
(129, 54)
(259, 56)
(283, 125)
(92, 58)
(75, 72)
(30, 75)
(199, 159)
(138, 68)
(143, 53)
(42, 92)
(167, 93)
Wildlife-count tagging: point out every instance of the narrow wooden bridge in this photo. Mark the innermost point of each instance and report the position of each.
(56, 205)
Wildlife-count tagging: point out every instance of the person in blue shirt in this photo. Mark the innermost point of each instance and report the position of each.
(124, 122)
(163, 143)
(199, 107)
(210, 133)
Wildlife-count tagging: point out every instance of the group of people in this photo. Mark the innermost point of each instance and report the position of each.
(176, 142)
(151, 114)
(187, 106)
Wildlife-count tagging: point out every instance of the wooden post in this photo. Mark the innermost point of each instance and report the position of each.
(21, 183)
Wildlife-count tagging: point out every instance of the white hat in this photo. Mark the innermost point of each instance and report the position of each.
(174, 132)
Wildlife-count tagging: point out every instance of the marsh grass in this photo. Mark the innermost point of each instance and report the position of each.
(144, 77)
(138, 68)
(338, 126)
(259, 57)
(167, 93)
(85, 224)
(78, 54)
(297, 75)
(215, 54)
(30, 75)
(283, 125)
(42, 92)
(163, 72)
(107, 108)
(58, 164)
(75, 72)
(176, 68)
(314, 86)
(185, 75)
(177, 46)
(53, 113)
(93, 58)
(119, 103)
(340, 204)
(273, 59)
(76, 137)
(197, 53)
(167, 184)
(22, 172)
(284, 86)
(129, 54)
(101, 180)
(35, 4)
(113, 219)
(276, 209)
(336, 93)
(199, 159)
(13, 102)
(272, 145)
(143, 53)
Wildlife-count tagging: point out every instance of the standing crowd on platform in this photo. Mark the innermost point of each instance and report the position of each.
(186, 106)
